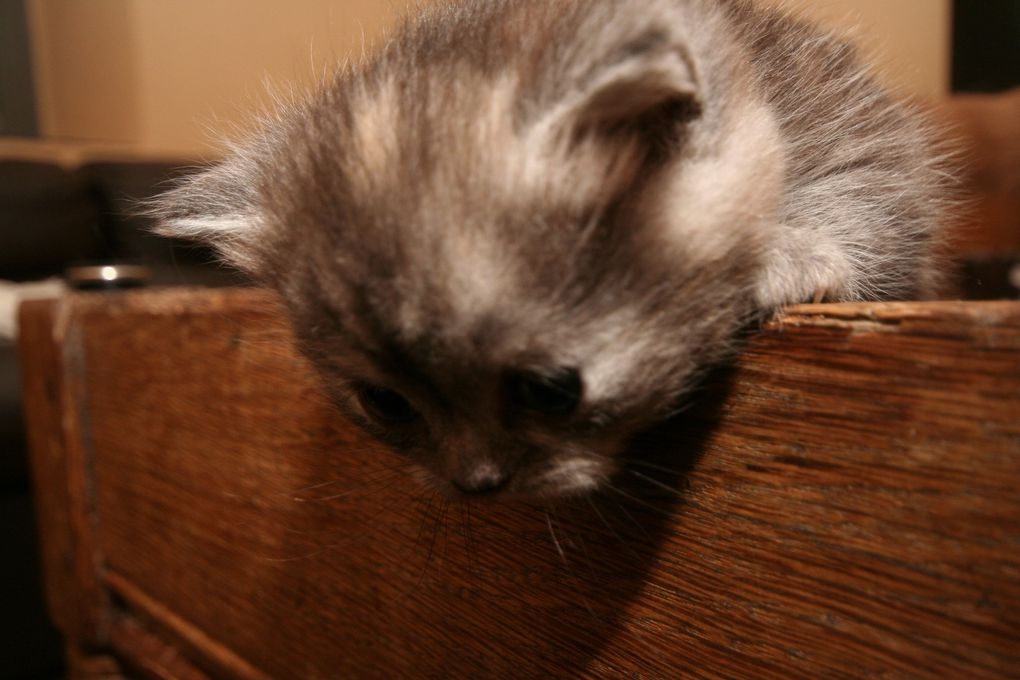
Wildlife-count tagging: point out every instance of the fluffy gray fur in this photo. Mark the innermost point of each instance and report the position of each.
(511, 187)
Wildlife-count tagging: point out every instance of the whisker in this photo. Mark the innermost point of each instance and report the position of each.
(634, 499)
(432, 540)
(595, 508)
(306, 556)
(313, 487)
(570, 571)
(652, 466)
(426, 513)
(321, 485)
(556, 541)
(580, 539)
(657, 483)
(633, 520)
(686, 406)
(469, 538)
(393, 476)
(348, 538)
(444, 519)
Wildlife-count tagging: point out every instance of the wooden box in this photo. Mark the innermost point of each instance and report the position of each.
(843, 502)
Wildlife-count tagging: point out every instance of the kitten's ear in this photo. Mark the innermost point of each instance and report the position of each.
(645, 89)
(218, 208)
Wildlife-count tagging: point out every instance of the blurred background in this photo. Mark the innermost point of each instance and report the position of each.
(171, 77)
(101, 101)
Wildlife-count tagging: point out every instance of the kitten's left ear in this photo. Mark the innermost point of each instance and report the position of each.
(217, 207)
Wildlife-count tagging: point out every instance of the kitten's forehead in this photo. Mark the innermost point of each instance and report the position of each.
(459, 138)
(470, 206)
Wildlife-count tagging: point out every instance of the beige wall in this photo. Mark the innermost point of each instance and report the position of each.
(173, 76)
(176, 75)
(908, 40)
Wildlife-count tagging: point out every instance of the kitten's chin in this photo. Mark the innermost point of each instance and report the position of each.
(572, 477)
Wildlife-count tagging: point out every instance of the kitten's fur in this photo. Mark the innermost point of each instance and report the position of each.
(611, 185)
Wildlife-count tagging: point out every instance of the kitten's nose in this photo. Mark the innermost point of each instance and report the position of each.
(484, 479)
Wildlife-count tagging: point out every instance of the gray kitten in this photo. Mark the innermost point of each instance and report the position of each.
(519, 233)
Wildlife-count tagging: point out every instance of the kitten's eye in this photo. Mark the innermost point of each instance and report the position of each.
(556, 394)
(385, 404)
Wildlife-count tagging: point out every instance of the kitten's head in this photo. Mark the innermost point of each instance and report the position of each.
(502, 253)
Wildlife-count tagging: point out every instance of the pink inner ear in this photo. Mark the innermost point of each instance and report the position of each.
(628, 99)
(647, 114)
(647, 98)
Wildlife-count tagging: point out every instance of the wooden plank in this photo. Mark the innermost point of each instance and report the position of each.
(51, 368)
(140, 644)
(40, 375)
(841, 503)
(149, 655)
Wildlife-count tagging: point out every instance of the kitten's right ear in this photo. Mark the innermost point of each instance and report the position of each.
(217, 207)
(643, 87)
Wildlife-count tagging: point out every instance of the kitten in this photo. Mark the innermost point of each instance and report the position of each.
(518, 234)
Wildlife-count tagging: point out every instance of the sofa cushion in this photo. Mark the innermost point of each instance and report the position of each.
(48, 218)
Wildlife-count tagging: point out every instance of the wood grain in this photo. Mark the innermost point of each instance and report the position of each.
(51, 366)
(840, 503)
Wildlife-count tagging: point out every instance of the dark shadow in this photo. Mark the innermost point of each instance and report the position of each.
(501, 590)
